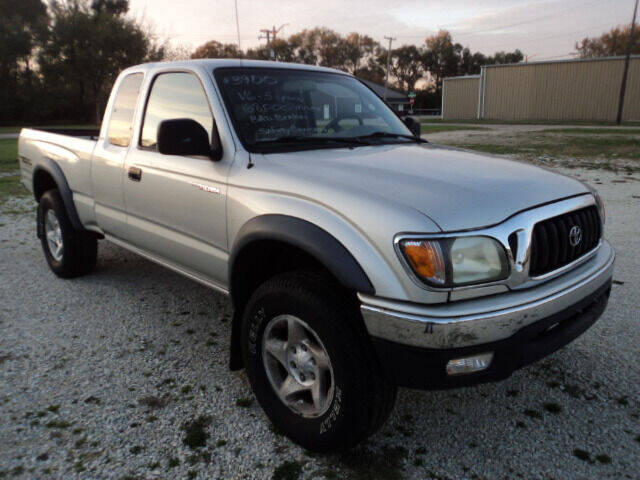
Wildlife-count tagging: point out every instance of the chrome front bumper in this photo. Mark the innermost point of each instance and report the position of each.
(487, 319)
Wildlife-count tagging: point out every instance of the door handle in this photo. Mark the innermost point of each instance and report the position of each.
(135, 174)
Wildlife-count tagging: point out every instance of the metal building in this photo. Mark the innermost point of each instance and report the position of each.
(579, 90)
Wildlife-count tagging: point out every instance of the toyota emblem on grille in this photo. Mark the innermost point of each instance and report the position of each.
(575, 235)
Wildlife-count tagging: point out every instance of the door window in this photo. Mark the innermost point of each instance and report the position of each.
(124, 106)
(174, 96)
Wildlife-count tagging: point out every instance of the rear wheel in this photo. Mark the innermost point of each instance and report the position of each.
(311, 364)
(69, 252)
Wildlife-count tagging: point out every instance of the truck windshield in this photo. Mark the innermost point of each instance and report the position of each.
(277, 109)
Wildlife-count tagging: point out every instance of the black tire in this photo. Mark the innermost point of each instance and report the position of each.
(362, 398)
(79, 248)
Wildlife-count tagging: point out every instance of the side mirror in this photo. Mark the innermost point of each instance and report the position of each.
(184, 136)
(413, 125)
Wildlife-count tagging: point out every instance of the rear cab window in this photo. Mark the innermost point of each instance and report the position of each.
(120, 127)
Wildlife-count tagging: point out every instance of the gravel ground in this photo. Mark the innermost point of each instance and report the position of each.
(107, 376)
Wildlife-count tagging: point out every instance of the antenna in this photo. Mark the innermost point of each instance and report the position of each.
(237, 25)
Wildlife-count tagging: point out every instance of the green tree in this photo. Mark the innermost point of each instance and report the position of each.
(609, 44)
(215, 49)
(500, 58)
(360, 52)
(442, 57)
(23, 26)
(319, 46)
(88, 45)
(283, 51)
(407, 66)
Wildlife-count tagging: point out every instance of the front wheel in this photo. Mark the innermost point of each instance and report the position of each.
(311, 364)
(69, 252)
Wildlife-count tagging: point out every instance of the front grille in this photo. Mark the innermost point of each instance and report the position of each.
(550, 243)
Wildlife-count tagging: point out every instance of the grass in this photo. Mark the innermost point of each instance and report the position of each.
(552, 407)
(287, 470)
(582, 146)
(195, 432)
(58, 424)
(244, 402)
(10, 186)
(8, 155)
(364, 464)
(582, 454)
(448, 128)
(528, 122)
(596, 131)
(16, 129)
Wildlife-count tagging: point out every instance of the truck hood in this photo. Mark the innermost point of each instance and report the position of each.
(456, 189)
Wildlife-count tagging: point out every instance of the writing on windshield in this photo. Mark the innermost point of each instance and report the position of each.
(268, 104)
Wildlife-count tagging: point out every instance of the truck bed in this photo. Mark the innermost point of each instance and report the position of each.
(88, 133)
(68, 149)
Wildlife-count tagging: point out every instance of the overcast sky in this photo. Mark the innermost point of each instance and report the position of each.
(542, 29)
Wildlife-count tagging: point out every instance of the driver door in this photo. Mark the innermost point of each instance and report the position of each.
(176, 204)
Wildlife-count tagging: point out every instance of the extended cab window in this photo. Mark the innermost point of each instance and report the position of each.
(124, 106)
(173, 96)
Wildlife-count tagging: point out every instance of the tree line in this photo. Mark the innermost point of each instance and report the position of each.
(412, 68)
(58, 60)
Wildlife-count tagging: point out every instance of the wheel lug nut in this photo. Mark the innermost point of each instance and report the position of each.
(302, 377)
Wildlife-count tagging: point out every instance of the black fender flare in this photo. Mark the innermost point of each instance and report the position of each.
(308, 237)
(53, 169)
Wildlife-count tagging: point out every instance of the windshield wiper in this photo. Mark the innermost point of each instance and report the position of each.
(381, 134)
(303, 139)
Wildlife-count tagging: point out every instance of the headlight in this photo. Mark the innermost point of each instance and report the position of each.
(599, 201)
(451, 262)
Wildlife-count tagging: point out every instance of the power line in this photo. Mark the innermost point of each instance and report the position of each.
(549, 37)
(553, 57)
(524, 22)
(270, 35)
(494, 29)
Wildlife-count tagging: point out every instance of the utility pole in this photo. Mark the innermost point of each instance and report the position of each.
(623, 86)
(386, 80)
(270, 36)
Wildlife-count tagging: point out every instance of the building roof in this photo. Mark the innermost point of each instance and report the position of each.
(392, 95)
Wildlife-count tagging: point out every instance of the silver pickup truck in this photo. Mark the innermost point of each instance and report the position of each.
(358, 257)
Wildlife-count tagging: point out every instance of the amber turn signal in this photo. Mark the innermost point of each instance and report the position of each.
(426, 259)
